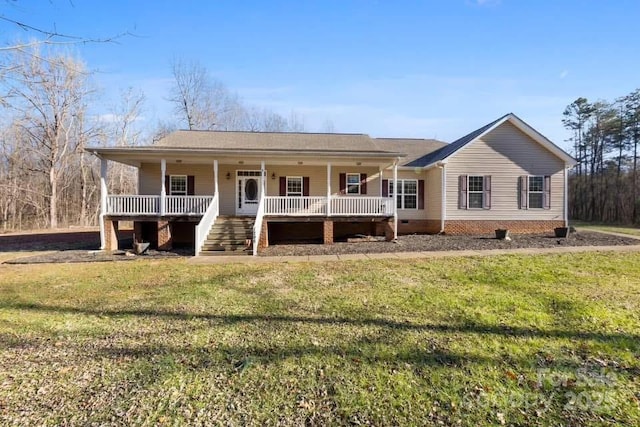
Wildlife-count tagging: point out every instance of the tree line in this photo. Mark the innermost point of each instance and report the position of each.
(52, 110)
(603, 186)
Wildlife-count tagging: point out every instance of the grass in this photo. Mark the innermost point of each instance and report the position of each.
(612, 228)
(516, 340)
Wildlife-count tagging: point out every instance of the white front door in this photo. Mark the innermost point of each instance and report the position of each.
(248, 185)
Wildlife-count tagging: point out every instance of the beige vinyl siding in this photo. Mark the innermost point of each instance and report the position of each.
(505, 153)
(416, 174)
(150, 180)
(433, 196)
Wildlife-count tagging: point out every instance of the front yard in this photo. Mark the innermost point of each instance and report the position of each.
(542, 340)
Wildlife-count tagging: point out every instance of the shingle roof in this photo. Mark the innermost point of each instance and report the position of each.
(449, 149)
(414, 148)
(280, 141)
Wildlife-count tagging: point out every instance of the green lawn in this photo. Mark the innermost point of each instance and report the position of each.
(515, 340)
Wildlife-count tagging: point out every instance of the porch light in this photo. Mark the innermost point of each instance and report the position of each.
(273, 175)
(228, 175)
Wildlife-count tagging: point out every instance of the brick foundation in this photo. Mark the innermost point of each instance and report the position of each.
(455, 227)
(327, 232)
(110, 235)
(264, 236)
(165, 242)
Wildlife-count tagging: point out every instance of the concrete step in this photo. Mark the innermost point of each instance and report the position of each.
(226, 250)
(228, 242)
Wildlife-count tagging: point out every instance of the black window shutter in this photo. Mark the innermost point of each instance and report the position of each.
(191, 185)
(305, 185)
(283, 185)
(385, 188)
(167, 184)
(343, 183)
(421, 194)
(363, 183)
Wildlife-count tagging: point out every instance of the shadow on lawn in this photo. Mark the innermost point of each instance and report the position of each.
(461, 326)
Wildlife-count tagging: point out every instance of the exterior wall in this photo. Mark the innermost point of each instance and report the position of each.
(149, 182)
(149, 177)
(433, 196)
(488, 226)
(506, 154)
(431, 203)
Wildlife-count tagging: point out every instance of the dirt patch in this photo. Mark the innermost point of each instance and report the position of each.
(71, 256)
(72, 245)
(418, 243)
(61, 239)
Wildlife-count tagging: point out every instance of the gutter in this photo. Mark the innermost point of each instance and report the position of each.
(443, 196)
(246, 153)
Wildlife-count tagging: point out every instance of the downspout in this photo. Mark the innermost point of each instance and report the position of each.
(566, 197)
(443, 197)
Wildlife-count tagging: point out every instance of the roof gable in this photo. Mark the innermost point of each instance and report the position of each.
(454, 147)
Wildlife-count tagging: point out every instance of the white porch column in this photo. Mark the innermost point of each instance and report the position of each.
(215, 178)
(380, 181)
(263, 181)
(395, 199)
(103, 200)
(329, 189)
(163, 190)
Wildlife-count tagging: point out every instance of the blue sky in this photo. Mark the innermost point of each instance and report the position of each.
(387, 68)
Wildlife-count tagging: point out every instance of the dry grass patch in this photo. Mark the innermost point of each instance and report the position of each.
(535, 340)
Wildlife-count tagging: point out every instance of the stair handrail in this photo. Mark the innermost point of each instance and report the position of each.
(203, 227)
(257, 226)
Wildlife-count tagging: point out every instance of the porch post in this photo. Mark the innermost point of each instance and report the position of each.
(103, 200)
(163, 190)
(380, 181)
(395, 199)
(263, 181)
(215, 178)
(329, 189)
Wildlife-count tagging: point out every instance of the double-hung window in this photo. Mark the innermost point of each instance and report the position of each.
(475, 191)
(353, 183)
(294, 186)
(407, 193)
(536, 192)
(178, 185)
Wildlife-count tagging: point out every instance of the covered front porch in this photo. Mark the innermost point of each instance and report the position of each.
(266, 190)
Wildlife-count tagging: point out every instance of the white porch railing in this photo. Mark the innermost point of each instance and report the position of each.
(317, 206)
(295, 206)
(370, 206)
(133, 205)
(150, 205)
(203, 227)
(187, 205)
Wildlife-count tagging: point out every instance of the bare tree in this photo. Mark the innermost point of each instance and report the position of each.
(204, 103)
(47, 95)
(193, 95)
